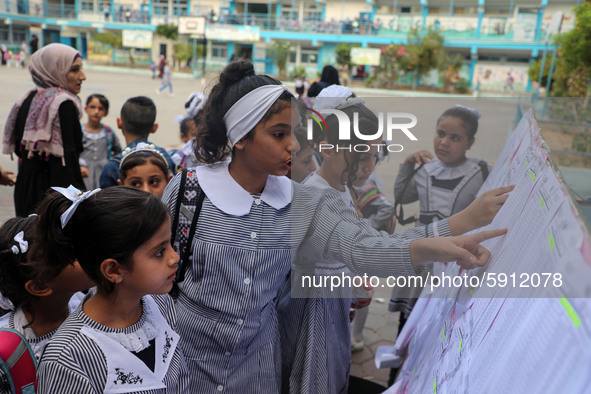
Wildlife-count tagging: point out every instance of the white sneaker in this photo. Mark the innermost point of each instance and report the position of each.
(357, 346)
(157, 91)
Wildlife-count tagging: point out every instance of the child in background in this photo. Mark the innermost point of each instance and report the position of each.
(144, 168)
(38, 297)
(137, 122)
(184, 156)
(166, 79)
(119, 337)
(303, 160)
(444, 186)
(448, 184)
(99, 141)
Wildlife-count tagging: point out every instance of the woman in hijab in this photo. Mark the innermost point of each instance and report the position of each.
(43, 127)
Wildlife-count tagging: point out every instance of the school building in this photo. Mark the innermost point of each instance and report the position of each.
(498, 39)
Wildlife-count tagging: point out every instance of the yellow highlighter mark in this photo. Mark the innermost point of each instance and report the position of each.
(542, 202)
(570, 311)
(551, 242)
(532, 176)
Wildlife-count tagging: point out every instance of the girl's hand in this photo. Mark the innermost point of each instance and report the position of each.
(84, 171)
(481, 211)
(420, 157)
(465, 250)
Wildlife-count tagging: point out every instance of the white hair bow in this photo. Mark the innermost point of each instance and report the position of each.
(74, 195)
(23, 245)
(5, 303)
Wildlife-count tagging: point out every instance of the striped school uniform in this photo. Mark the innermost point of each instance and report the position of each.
(17, 320)
(87, 357)
(316, 332)
(242, 252)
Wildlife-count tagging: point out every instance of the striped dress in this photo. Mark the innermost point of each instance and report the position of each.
(86, 357)
(243, 250)
(17, 320)
(316, 332)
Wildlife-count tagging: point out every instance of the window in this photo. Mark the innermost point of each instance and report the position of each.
(405, 10)
(309, 56)
(87, 5)
(219, 51)
(19, 33)
(4, 33)
(292, 57)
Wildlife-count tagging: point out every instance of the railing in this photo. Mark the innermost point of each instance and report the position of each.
(497, 28)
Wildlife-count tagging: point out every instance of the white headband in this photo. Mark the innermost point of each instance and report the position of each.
(141, 147)
(247, 112)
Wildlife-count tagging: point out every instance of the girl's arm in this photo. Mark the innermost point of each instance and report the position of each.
(54, 377)
(465, 250)
(405, 187)
(480, 212)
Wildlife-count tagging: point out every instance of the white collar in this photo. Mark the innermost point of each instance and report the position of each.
(227, 195)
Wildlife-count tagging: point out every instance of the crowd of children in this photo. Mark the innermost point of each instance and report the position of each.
(186, 283)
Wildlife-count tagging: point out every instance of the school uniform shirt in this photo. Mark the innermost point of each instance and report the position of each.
(17, 320)
(87, 357)
(442, 190)
(98, 148)
(242, 252)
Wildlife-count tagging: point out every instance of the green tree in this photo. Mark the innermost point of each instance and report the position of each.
(343, 54)
(573, 64)
(423, 49)
(279, 53)
(111, 39)
(182, 51)
(534, 71)
(167, 31)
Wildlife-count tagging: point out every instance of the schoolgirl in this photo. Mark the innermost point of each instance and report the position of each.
(144, 167)
(341, 171)
(38, 297)
(118, 340)
(99, 141)
(253, 221)
(449, 183)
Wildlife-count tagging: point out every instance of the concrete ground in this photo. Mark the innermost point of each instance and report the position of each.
(118, 85)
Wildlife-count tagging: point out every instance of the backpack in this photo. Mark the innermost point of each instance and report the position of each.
(109, 138)
(18, 362)
(189, 201)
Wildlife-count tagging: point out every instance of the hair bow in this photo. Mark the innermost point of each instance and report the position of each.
(5, 303)
(22, 244)
(74, 195)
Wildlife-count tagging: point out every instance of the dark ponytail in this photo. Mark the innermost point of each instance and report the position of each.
(112, 223)
(16, 269)
(236, 80)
